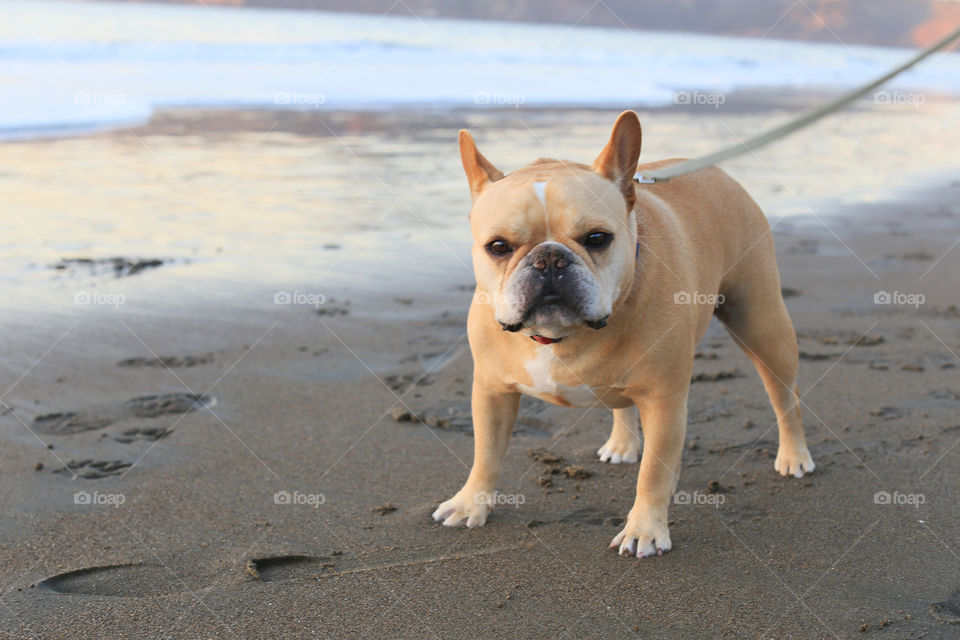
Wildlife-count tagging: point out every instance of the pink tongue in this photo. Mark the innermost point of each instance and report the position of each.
(543, 340)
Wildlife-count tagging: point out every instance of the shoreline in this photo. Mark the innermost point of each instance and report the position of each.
(191, 166)
(211, 119)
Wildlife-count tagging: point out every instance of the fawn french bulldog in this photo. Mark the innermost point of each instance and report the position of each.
(591, 291)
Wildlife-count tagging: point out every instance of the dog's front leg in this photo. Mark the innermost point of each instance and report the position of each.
(663, 421)
(494, 414)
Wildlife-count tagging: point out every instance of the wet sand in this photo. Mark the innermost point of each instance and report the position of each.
(223, 466)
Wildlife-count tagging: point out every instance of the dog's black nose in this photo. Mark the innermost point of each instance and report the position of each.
(550, 259)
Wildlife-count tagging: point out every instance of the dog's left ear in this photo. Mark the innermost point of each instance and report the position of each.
(479, 170)
(618, 160)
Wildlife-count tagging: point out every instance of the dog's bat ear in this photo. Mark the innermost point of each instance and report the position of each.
(618, 160)
(479, 170)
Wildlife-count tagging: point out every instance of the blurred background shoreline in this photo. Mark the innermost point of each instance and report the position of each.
(302, 148)
(92, 64)
(881, 22)
(357, 203)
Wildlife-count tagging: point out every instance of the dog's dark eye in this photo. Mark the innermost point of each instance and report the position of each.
(597, 240)
(499, 248)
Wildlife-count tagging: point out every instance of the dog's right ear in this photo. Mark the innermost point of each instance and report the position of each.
(478, 169)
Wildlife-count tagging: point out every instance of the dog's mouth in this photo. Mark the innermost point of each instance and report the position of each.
(552, 294)
(553, 320)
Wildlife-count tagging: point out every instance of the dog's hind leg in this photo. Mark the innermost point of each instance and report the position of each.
(623, 445)
(755, 315)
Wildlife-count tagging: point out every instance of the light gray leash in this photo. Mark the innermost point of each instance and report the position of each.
(806, 118)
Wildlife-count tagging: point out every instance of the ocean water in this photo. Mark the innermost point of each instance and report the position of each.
(69, 66)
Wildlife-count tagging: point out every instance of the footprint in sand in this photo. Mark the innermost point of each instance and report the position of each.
(120, 267)
(119, 580)
(166, 404)
(292, 567)
(72, 422)
(93, 469)
(716, 376)
(948, 610)
(150, 435)
(165, 362)
(68, 423)
(138, 579)
(816, 357)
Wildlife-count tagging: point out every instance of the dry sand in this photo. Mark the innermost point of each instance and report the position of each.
(300, 402)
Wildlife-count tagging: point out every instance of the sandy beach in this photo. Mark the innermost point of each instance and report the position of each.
(210, 446)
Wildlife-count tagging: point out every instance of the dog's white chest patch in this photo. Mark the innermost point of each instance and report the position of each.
(540, 188)
(546, 388)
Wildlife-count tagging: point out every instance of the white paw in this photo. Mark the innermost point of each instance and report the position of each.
(464, 508)
(793, 462)
(643, 537)
(616, 452)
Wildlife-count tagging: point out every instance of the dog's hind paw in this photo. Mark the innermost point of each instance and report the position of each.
(615, 452)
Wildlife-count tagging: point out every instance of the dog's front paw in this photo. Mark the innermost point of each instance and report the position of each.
(615, 451)
(793, 462)
(644, 535)
(466, 508)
